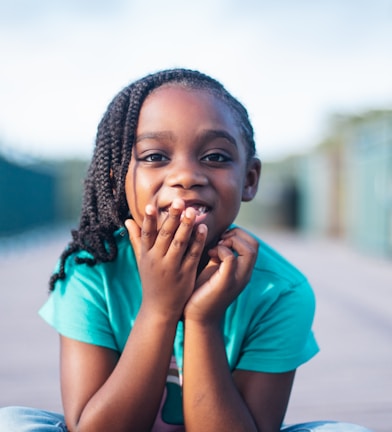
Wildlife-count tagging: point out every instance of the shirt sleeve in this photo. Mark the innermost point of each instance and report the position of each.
(77, 307)
(280, 338)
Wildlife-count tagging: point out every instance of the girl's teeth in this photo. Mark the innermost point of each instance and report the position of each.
(200, 210)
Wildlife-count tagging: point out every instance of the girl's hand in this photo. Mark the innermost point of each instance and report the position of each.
(224, 278)
(168, 258)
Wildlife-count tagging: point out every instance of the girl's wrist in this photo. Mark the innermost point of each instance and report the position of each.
(211, 323)
(159, 317)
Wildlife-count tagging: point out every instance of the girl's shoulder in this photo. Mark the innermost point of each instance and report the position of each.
(273, 264)
(83, 262)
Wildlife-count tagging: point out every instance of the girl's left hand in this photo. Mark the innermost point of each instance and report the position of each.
(224, 277)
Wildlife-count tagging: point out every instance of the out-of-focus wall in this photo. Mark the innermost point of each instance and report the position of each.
(37, 194)
(27, 196)
(368, 169)
(347, 182)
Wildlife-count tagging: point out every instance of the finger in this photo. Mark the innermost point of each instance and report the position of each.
(246, 253)
(182, 236)
(226, 257)
(213, 265)
(170, 225)
(196, 247)
(240, 241)
(219, 272)
(149, 227)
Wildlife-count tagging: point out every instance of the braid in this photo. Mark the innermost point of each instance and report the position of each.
(105, 207)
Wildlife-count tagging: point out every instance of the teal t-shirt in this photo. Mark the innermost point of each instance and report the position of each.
(266, 329)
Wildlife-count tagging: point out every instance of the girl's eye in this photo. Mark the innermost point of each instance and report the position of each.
(155, 157)
(216, 157)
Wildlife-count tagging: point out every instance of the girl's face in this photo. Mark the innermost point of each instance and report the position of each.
(189, 146)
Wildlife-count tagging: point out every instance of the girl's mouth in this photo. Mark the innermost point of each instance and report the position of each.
(199, 208)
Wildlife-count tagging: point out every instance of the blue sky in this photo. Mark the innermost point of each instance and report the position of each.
(292, 63)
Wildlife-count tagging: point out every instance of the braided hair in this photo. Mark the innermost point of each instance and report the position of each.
(105, 207)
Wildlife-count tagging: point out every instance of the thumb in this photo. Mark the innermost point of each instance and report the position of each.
(206, 274)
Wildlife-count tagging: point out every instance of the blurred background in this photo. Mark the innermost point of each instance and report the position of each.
(316, 79)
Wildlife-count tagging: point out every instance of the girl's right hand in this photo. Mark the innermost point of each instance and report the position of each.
(167, 258)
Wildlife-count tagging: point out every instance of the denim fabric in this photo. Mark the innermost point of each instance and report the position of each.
(20, 419)
(325, 426)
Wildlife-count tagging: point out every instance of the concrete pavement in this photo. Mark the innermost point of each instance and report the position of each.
(349, 380)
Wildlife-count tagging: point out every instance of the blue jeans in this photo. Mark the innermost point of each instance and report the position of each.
(19, 419)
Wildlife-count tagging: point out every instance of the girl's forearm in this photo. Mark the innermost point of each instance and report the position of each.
(211, 399)
(131, 396)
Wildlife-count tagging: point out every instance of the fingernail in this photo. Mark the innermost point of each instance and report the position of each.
(149, 209)
(189, 212)
(201, 229)
(177, 203)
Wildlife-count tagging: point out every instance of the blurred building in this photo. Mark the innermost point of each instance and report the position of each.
(343, 187)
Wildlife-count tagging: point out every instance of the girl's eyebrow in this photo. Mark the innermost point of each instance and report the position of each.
(212, 134)
(205, 136)
(155, 136)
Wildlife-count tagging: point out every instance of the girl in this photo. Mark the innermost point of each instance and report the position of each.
(170, 317)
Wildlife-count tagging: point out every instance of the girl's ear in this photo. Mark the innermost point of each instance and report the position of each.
(252, 179)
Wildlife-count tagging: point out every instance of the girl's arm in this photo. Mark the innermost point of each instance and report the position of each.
(214, 399)
(266, 395)
(106, 392)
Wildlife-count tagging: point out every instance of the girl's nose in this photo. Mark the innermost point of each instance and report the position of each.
(186, 175)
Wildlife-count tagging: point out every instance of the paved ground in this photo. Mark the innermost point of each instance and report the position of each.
(351, 378)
